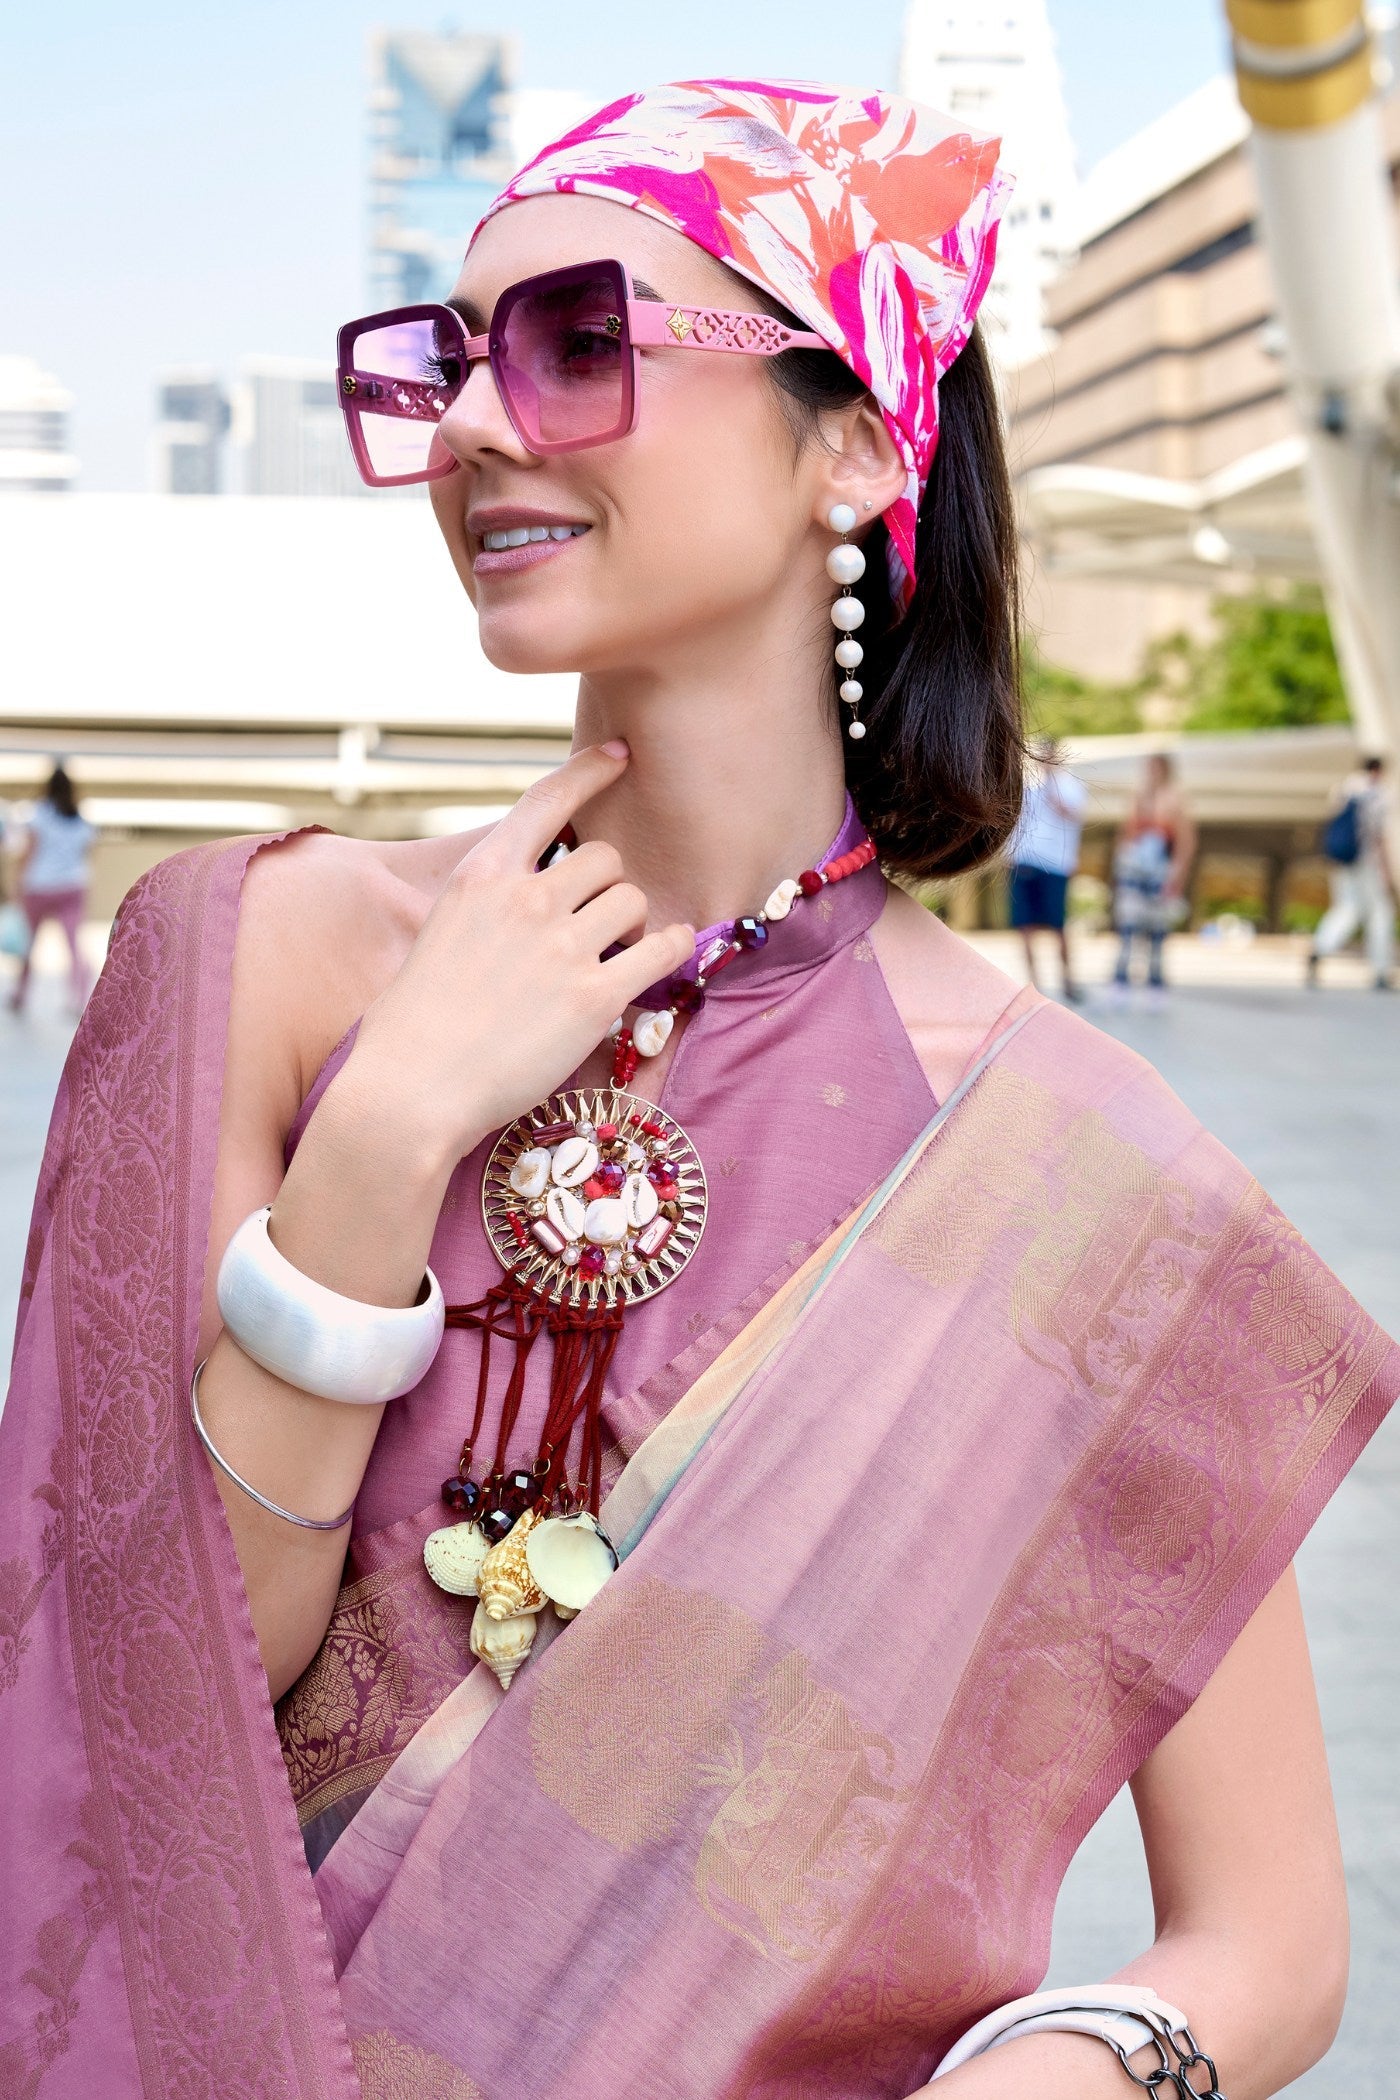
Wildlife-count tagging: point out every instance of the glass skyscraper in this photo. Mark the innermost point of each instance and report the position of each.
(440, 148)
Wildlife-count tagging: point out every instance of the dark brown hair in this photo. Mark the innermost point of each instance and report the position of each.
(59, 793)
(938, 776)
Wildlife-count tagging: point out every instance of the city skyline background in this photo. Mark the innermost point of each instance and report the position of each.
(192, 190)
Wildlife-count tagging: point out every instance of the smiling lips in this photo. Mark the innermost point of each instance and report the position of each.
(522, 547)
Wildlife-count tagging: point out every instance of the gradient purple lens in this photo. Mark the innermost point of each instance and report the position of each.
(407, 376)
(563, 359)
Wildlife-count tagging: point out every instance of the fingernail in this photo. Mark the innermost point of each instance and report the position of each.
(616, 747)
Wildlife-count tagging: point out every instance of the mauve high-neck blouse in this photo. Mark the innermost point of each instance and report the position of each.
(799, 1087)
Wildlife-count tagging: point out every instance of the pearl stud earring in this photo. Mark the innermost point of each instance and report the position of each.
(846, 565)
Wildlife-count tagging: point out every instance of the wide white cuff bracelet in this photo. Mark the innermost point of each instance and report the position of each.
(337, 1348)
(1128, 2016)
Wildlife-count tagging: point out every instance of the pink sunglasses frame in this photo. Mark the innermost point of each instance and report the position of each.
(641, 324)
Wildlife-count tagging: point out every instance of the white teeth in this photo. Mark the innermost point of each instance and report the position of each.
(519, 535)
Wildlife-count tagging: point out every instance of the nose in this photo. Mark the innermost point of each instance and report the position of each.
(477, 422)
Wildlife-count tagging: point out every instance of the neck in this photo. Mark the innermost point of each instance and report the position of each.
(734, 783)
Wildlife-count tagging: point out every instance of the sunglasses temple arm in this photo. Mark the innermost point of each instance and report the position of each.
(653, 324)
(416, 400)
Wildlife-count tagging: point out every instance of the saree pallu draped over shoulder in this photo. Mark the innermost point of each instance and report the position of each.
(917, 1572)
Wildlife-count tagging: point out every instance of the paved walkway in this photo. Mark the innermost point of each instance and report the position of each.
(1306, 1089)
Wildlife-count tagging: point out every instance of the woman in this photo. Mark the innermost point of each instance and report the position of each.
(53, 881)
(956, 1469)
(1151, 863)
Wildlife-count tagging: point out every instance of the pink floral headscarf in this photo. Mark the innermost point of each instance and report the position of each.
(873, 219)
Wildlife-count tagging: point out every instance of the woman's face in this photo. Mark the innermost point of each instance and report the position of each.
(693, 520)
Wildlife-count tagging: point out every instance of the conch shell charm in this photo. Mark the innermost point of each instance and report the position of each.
(502, 1644)
(506, 1586)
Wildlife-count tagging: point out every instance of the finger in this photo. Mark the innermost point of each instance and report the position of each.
(583, 874)
(619, 914)
(647, 961)
(548, 804)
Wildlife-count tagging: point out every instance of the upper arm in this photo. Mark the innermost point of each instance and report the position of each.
(1235, 1803)
(301, 963)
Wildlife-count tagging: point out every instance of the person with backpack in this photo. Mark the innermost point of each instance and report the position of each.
(1363, 887)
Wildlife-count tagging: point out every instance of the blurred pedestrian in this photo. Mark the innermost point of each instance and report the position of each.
(53, 880)
(1044, 853)
(1363, 885)
(1151, 863)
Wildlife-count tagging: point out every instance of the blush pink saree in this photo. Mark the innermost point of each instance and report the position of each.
(919, 1568)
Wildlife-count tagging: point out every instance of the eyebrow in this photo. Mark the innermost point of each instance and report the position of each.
(477, 323)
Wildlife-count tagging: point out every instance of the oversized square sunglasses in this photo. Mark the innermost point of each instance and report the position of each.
(563, 349)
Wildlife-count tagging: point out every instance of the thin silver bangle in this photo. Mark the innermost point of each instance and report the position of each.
(274, 1509)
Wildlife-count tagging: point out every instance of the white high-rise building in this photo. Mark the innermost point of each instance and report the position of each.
(288, 434)
(34, 411)
(993, 64)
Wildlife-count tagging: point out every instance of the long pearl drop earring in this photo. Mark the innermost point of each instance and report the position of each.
(846, 565)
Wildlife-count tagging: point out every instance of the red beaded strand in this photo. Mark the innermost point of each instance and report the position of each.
(687, 993)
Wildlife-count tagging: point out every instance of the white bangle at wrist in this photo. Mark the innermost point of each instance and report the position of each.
(1126, 2016)
(338, 1348)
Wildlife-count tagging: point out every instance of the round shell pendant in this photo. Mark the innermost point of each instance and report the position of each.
(570, 1559)
(610, 1243)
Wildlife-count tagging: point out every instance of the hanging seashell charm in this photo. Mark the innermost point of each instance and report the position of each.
(454, 1557)
(570, 1559)
(505, 1586)
(502, 1644)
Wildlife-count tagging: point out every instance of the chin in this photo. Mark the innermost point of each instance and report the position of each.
(528, 639)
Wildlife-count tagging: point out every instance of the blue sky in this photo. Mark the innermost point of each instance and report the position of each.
(186, 184)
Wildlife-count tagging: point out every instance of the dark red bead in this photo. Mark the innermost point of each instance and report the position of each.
(551, 1134)
(590, 1262)
(809, 882)
(685, 995)
(461, 1496)
(516, 1491)
(497, 1525)
(662, 1176)
(750, 933)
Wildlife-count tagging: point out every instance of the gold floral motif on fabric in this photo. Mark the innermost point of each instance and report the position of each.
(391, 2069)
(669, 1687)
(394, 1649)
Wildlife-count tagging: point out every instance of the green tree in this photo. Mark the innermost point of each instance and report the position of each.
(1270, 664)
(1060, 703)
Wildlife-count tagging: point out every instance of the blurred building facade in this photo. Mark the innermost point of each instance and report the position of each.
(993, 64)
(35, 454)
(288, 432)
(441, 145)
(1160, 457)
(192, 419)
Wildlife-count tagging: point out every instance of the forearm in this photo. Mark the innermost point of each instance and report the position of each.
(356, 1212)
(1262, 2016)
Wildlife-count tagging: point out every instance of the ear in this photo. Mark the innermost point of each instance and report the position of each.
(858, 463)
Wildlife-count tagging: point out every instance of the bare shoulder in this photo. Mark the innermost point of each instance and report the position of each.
(947, 995)
(324, 924)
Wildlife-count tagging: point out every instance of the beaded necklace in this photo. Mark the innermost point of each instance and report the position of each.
(592, 1202)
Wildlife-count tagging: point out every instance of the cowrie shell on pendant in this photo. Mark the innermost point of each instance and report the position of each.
(565, 1212)
(453, 1557)
(781, 901)
(530, 1174)
(651, 1032)
(605, 1221)
(574, 1161)
(640, 1199)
